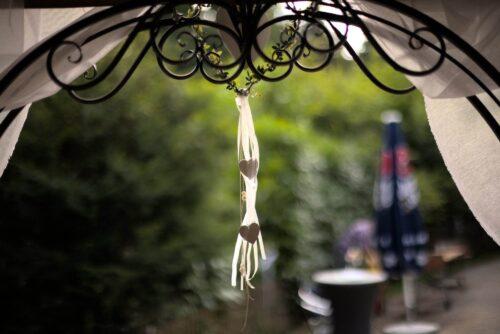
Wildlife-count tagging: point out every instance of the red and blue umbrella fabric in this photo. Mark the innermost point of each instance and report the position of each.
(401, 237)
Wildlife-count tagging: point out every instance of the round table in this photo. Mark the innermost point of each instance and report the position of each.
(351, 293)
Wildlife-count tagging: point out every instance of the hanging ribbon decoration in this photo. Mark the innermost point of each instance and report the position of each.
(249, 242)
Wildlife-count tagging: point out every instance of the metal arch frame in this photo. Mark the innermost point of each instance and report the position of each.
(203, 51)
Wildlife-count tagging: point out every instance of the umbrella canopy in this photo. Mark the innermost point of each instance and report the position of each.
(401, 237)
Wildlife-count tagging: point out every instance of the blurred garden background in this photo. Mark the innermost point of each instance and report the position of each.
(121, 217)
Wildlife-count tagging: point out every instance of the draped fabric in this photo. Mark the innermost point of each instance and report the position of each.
(477, 22)
(20, 30)
(471, 153)
(401, 237)
(23, 30)
(35, 84)
(469, 148)
(11, 134)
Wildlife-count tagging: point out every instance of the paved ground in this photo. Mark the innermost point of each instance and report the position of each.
(474, 309)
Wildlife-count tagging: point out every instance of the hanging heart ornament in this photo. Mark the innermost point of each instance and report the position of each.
(249, 242)
(250, 233)
(249, 167)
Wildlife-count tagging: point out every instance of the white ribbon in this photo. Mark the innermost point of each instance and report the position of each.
(248, 152)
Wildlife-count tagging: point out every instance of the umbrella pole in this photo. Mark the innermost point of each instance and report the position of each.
(410, 295)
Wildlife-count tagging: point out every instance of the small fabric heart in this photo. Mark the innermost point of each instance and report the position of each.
(250, 233)
(249, 167)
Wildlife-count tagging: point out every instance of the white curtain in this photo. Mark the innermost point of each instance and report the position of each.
(471, 152)
(21, 30)
(469, 148)
(11, 135)
(477, 22)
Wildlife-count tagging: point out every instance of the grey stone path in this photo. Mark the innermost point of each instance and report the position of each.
(475, 309)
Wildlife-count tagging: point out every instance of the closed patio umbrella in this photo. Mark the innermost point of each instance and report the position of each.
(401, 237)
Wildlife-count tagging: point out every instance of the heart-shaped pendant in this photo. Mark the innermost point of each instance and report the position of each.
(250, 233)
(249, 167)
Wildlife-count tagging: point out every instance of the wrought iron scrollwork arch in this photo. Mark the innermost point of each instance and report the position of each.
(186, 38)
